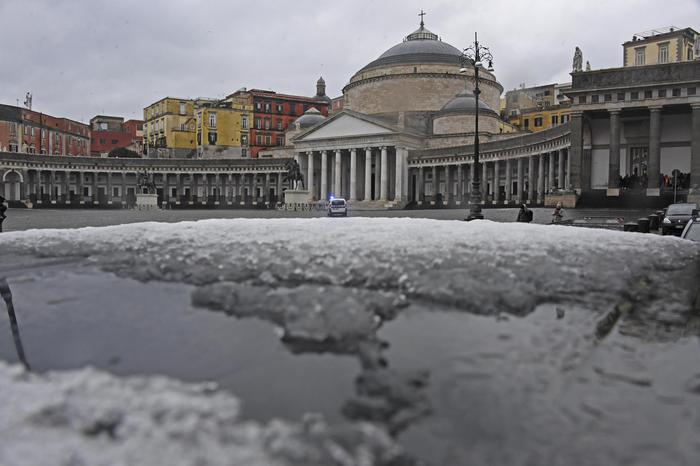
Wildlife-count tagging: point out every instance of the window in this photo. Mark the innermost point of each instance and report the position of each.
(280, 141)
(639, 56)
(43, 133)
(555, 120)
(258, 123)
(526, 123)
(620, 96)
(103, 126)
(267, 106)
(267, 123)
(662, 92)
(279, 125)
(115, 191)
(212, 137)
(183, 108)
(244, 152)
(103, 141)
(42, 151)
(663, 53)
(608, 97)
(13, 129)
(538, 122)
(115, 141)
(691, 91)
(676, 92)
(595, 98)
(258, 139)
(582, 99)
(564, 118)
(279, 108)
(183, 126)
(32, 131)
(212, 120)
(647, 94)
(634, 95)
(690, 53)
(267, 139)
(244, 121)
(13, 147)
(244, 139)
(257, 106)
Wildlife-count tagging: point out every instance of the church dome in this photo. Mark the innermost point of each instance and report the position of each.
(464, 102)
(421, 46)
(310, 118)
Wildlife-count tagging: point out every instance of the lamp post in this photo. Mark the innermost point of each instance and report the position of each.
(473, 56)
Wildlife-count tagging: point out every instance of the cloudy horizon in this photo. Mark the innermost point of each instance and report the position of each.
(85, 58)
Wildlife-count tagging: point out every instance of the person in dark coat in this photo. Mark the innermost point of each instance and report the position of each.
(3, 208)
(524, 214)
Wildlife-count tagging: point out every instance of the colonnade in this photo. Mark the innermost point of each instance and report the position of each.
(356, 174)
(77, 187)
(520, 179)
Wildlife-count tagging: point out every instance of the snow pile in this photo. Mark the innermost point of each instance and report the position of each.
(87, 417)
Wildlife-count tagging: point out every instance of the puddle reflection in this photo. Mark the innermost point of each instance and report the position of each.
(7, 297)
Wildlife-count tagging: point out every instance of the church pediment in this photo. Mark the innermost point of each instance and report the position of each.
(344, 125)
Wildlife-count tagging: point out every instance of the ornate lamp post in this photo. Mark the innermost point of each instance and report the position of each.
(474, 56)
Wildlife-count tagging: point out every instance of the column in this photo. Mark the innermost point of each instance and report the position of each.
(52, 175)
(484, 183)
(368, 173)
(460, 185)
(399, 185)
(384, 182)
(95, 198)
(254, 187)
(353, 174)
(614, 162)
(279, 187)
(531, 179)
(519, 181)
(27, 186)
(550, 177)
(695, 147)
(509, 181)
(435, 184)
(223, 188)
(336, 178)
(194, 187)
(447, 195)
(123, 189)
(577, 179)
(109, 187)
(420, 185)
(540, 179)
(567, 176)
(310, 175)
(654, 166)
(266, 194)
(324, 175)
(214, 186)
(560, 170)
(496, 183)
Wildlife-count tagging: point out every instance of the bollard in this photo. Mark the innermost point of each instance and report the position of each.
(630, 226)
(643, 225)
(654, 222)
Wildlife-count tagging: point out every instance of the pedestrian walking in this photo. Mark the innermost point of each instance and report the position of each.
(558, 213)
(524, 214)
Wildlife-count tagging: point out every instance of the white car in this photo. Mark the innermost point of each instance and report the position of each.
(337, 206)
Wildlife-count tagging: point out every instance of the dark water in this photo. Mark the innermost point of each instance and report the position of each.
(72, 319)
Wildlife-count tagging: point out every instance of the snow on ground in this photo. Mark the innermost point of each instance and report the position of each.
(328, 282)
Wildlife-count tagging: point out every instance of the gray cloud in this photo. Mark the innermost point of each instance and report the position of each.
(85, 57)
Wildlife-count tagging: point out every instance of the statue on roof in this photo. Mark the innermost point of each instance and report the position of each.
(578, 60)
(588, 65)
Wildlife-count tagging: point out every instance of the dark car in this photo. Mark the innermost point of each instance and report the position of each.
(692, 230)
(677, 216)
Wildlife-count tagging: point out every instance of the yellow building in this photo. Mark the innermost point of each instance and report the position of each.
(222, 127)
(664, 45)
(169, 127)
(537, 108)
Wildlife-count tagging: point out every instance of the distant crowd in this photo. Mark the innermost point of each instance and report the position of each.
(666, 182)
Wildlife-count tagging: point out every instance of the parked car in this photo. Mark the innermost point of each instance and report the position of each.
(337, 206)
(692, 230)
(677, 216)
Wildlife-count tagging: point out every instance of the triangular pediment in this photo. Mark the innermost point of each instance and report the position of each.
(344, 125)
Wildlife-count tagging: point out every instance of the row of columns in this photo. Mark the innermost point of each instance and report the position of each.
(232, 185)
(544, 173)
(343, 172)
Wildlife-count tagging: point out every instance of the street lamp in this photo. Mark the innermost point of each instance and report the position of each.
(474, 56)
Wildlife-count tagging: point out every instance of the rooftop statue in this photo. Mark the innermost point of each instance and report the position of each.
(578, 60)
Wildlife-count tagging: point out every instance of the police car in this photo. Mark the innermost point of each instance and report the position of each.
(337, 206)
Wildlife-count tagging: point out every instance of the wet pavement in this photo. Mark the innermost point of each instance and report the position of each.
(467, 343)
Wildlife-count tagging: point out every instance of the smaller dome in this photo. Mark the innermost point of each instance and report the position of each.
(464, 102)
(310, 118)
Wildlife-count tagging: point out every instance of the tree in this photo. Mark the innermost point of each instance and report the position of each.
(123, 152)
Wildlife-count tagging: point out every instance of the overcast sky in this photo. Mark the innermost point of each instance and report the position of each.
(81, 58)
